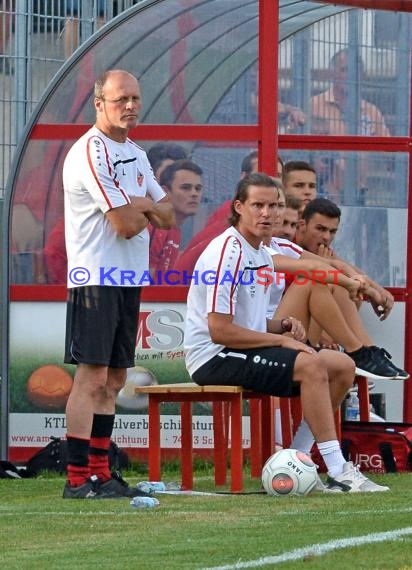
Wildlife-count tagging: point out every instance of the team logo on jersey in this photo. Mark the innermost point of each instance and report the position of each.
(139, 178)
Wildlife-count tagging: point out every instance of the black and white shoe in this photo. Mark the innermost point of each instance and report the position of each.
(89, 490)
(120, 487)
(351, 480)
(400, 374)
(371, 362)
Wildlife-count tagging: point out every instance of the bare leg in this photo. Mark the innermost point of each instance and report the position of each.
(311, 372)
(341, 372)
(352, 316)
(316, 301)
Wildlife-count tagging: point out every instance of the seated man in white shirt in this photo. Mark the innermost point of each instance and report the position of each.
(338, 317)
(229, 340)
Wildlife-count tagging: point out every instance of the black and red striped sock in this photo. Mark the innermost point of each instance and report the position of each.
(99, 446)
(78, 470)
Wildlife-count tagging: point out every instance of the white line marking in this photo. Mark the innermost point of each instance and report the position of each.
(318, 549)
(7, 511)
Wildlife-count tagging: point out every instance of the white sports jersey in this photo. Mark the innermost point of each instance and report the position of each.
(231, 277)
(287, 247)
(283, 247)
(100, 174)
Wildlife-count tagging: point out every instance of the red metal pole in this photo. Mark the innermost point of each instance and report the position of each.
(268, 84)
(407, 394)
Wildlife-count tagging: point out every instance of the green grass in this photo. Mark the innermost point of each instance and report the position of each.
(38, 529)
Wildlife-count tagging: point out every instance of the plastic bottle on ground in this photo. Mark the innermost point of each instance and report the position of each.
(144, 502)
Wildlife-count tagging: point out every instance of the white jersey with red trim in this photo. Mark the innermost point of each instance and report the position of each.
(280, 246)
(230, 277)
(100, 174)
(287, 247)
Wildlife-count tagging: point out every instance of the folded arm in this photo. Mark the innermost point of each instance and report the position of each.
(129, 220)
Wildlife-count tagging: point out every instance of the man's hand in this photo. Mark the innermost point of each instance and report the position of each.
(382, 302)
(355, 289)
(162, 215)
(325, 251)
(288, 342)
(294, 328)
(296, 117)
(326, 341)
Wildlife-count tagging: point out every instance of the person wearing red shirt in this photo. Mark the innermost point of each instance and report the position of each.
(182, 181)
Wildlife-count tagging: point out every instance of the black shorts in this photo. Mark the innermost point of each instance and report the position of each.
(101, 325)
(267, 370)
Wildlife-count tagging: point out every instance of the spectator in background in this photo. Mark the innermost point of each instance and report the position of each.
(280, 212)
(299, 180)
(336, 108)
(6, 9)
(71, 26)
(182, 182)
(218, 221)
(292, 213)
(55, 256)
(162, 154)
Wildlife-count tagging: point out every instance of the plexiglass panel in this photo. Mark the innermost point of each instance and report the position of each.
(373, 228)
(187, 56)
(39, 254)
(350, 74)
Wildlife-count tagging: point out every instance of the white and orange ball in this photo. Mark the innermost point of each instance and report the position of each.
(289, 472)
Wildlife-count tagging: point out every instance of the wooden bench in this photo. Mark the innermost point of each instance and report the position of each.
(226, 405)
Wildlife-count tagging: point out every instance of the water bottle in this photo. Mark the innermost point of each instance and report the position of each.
(144, 502)
(152, 487)
(352, 408)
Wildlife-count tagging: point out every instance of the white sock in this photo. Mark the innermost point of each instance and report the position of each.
(303, 439)
(332, 456)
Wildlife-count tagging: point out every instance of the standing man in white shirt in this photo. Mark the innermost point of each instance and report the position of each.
(111, 195)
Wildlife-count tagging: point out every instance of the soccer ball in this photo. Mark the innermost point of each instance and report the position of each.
(49, 387)
(136, 376)
(289, 472)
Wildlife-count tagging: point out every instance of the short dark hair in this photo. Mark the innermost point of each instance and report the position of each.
(165, 150)
(242, 191)
(296, 165)
(168, 174)
(293, 202)
(321, 206)
(247, 161)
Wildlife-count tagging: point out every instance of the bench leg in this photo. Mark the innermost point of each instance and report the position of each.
(363, 394)
(154, 439)
(186, 446)
(236, 452)
(255, 413)
(268, 429)
(286, 421)
(220, 441)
